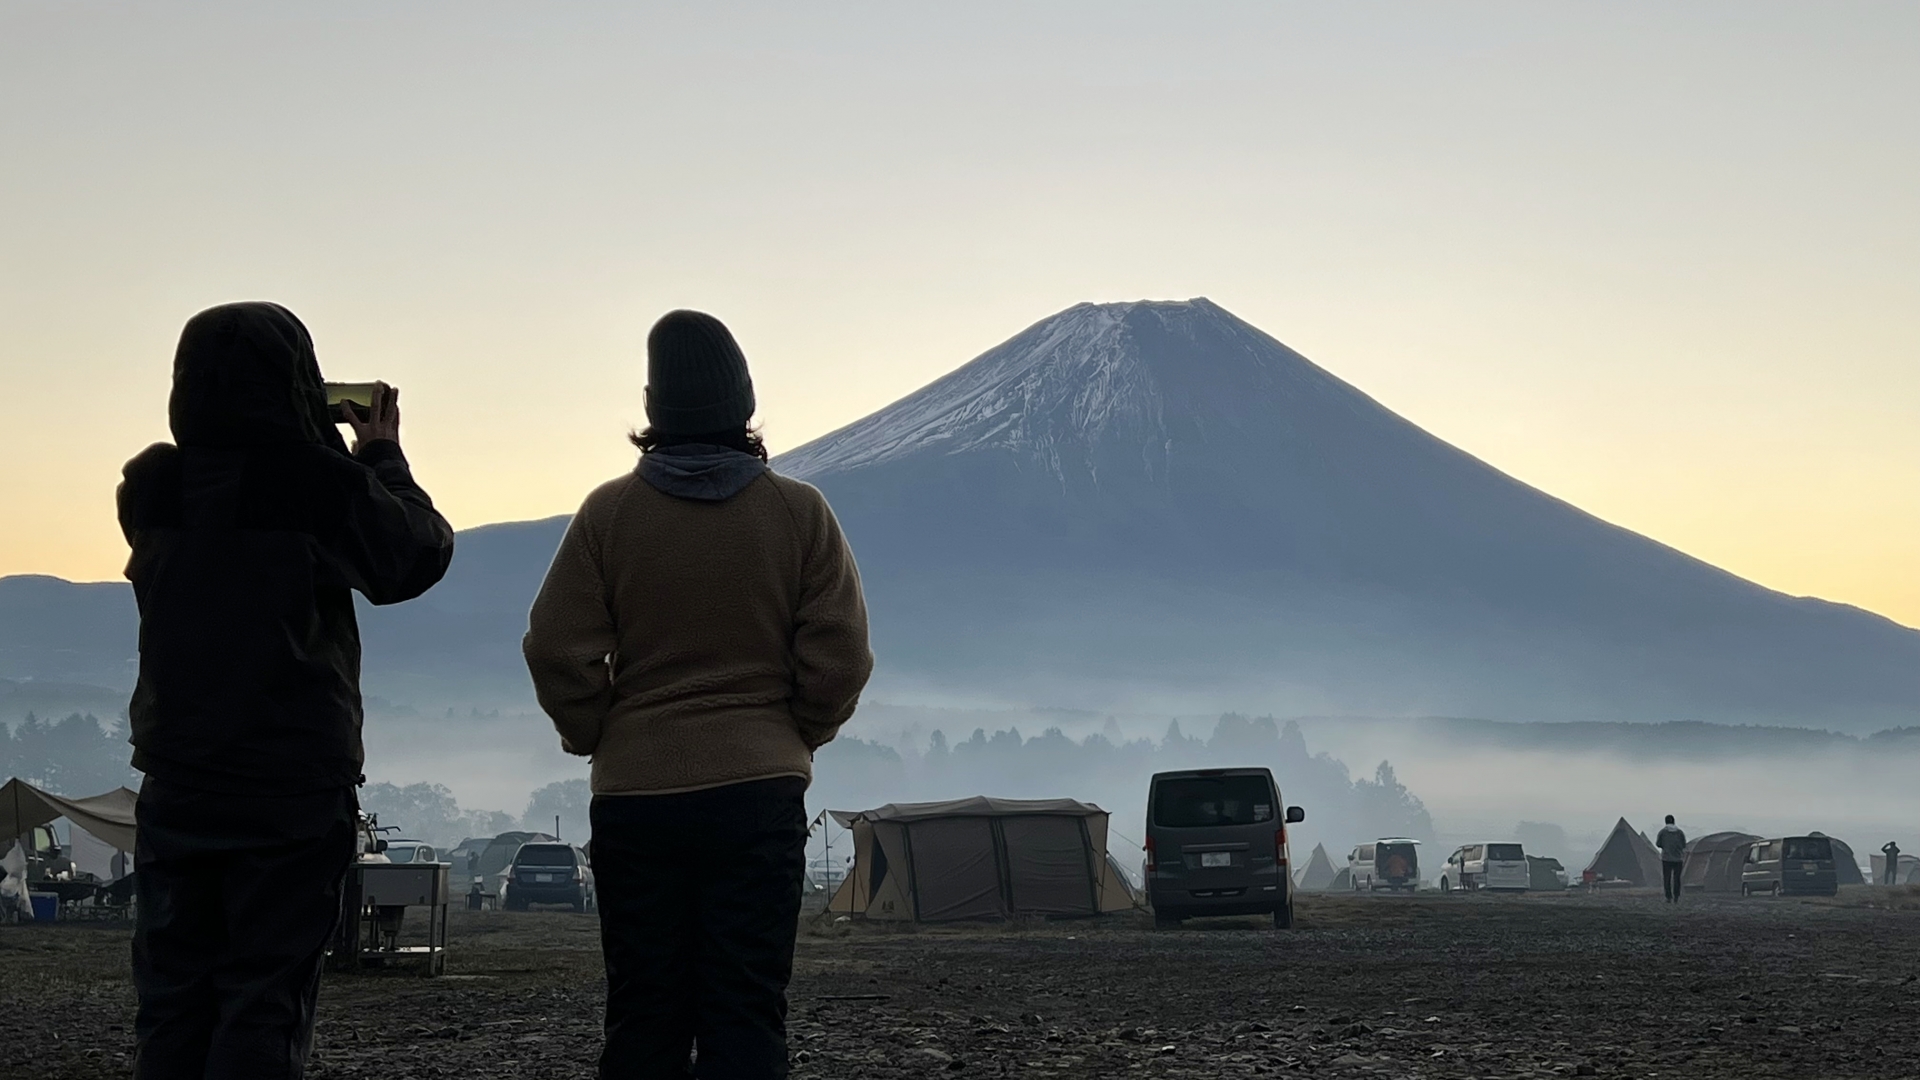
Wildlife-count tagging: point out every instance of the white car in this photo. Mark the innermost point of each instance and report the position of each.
(1500, 866)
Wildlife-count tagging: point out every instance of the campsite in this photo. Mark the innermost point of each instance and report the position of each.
(1574, 984)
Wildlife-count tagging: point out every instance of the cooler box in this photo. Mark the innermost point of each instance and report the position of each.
(46, 906)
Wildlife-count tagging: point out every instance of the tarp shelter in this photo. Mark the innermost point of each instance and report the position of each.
(1543, 874)
(108, 817)
(1626, 856)
(1908, 872)
(979, 858)
(1715, 861)
(1319, 874)
(1846, 871)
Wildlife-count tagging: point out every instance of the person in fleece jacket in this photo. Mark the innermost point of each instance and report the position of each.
(700, 634)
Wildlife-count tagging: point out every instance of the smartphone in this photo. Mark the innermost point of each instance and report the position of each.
(356, 397)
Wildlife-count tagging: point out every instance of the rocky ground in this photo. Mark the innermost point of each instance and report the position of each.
(1425, 986)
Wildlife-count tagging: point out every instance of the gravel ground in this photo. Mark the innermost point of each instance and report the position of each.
(1425, 986)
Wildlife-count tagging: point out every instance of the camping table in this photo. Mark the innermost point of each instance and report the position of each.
(372, 886)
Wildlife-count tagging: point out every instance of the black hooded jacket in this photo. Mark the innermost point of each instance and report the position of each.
(247, 537)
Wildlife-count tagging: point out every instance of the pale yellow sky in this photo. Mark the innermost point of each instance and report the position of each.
(1660, 262)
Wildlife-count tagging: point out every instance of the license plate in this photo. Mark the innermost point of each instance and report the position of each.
(543, 877)
(1216, 858)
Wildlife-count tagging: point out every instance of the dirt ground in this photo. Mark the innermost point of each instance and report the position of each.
(1425, 986)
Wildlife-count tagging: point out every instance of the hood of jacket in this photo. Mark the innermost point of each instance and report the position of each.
(700, 472)
(245, 375)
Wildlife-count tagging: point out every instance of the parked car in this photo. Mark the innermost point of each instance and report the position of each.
(549, 873)
(1495, 867)
(410, 851)
(1217, 845)
(1391, 862)
(1790, 866)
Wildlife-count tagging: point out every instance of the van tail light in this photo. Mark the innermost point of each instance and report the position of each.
(1280, 847)
(579, 876)
(1152, 865)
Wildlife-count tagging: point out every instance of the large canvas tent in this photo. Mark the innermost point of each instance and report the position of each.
(1319, 873)
(108, 817)
(1846, 871)
(1715, 861)
(979, 858)
(1626, 856)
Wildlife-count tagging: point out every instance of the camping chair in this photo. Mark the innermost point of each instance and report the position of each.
(113, 900)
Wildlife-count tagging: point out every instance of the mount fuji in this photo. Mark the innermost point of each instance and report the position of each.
(1155, 507)
(1157, 503)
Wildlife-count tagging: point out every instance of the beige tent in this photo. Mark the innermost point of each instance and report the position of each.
(108, 817)
(980, 858)
(1626, 856)
(1319, 873)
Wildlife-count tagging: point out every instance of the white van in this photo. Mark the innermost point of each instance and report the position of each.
(1391, 862)
(1501, 867)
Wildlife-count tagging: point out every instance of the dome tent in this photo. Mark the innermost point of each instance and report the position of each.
(1714, 862)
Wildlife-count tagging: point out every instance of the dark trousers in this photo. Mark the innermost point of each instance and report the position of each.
(699, 904)
(1670, 880)
(237, 898)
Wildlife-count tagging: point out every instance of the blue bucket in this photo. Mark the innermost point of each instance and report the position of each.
(46, 906)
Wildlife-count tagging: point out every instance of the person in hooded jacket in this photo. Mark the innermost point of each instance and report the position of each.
(1673, 858)
(700, 633)
(250, 532)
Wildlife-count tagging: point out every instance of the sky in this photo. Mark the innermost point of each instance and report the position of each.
(1662, 261)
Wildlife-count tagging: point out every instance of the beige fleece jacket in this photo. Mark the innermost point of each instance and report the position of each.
(687, 644)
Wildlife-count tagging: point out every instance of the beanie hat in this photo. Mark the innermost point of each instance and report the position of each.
(697, 379)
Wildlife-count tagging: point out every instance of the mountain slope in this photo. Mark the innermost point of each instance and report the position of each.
(1157, 502)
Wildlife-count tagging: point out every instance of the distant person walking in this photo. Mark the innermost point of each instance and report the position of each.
(700, 633)
(1673, 855)
(1892, 853)
(250, 532)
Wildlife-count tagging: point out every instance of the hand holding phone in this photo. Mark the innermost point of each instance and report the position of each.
(372, 410)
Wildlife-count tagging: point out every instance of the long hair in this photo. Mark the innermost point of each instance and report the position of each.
(744, 439)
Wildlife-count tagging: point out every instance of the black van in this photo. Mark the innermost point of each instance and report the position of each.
(550, 873)
(1217, 845)
(1790, 866)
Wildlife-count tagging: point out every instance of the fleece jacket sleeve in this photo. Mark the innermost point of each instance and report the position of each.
(831, 658)
(570, 640)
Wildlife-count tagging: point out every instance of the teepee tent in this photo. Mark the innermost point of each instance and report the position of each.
(1625, 856)
(1319, 873)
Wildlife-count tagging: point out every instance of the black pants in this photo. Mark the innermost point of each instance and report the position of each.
(699, 905)
(1670, 880)
(237, 898)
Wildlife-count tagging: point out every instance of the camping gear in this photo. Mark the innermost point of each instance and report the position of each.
(1626, 856)
(1714, 862)
(980, 858)
(46, 906)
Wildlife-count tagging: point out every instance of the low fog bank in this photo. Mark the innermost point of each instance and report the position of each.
(447, 774)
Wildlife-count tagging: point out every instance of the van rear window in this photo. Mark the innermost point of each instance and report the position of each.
(1505, 852)
(544, 855)
(1809, 847)
(1191, 802)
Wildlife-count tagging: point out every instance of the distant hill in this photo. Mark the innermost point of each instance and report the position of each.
(1157, 507)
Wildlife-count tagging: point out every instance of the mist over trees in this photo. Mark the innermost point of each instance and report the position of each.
(854, 774)
(77, 756)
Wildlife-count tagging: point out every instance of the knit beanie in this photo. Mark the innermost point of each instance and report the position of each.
(697, 379)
